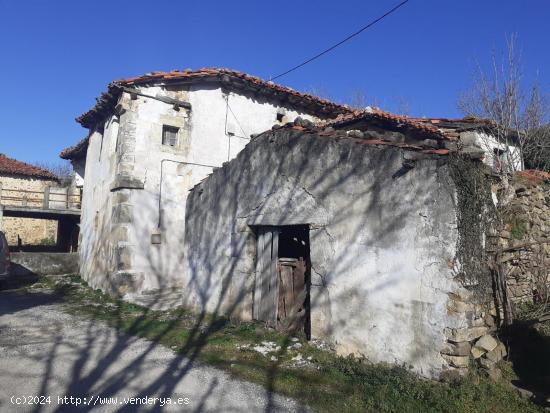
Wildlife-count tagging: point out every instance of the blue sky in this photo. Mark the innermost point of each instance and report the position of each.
(57, 56)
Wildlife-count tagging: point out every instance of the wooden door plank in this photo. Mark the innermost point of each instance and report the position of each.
(272, 298)
(266, 259)
(260, 252)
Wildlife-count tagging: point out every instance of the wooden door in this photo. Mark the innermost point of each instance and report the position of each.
(292, 294)
(266, 285)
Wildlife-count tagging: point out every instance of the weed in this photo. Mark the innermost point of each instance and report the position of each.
(518, 228)
(47, 241)
(332, 383)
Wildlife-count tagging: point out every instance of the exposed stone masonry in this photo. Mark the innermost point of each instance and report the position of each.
(29, 230)
(476, 342)
(524, 256)
(525, 241)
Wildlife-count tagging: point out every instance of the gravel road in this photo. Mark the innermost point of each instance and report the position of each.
(46, 352)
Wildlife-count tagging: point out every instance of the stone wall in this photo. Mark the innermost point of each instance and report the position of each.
(44, 263)
(519, 244)
(30, 231)
(382, 243)
(477, 342)
(525, 241)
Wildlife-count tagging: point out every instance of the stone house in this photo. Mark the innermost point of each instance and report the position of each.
(342, 224)
(150, 140)
(24, 184)
(351, 231)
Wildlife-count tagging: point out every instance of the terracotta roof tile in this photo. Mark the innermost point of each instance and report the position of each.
(439, 128)
(77, 151)
(341, 136)
(11, 166)
(398, 120)
(416, 146)
(535, 175)
(228, 77)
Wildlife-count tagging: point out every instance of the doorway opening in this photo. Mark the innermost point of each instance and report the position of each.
(281, 296)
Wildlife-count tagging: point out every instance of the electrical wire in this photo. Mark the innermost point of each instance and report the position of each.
(245, 136)
(342, 41)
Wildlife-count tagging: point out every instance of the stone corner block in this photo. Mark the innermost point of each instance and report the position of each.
(126, 182)
(457, 349)
(457, 335)
(487, 343)
(457, 361)
(122, 214)
(477, 352)
(127, 282)
(457, 306)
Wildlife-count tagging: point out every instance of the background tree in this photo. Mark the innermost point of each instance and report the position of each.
(62, 169)
(360, 100)
(520, 113)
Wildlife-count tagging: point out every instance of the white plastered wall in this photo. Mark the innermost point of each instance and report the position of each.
(96, 248)
(213, 131)
(489, 143)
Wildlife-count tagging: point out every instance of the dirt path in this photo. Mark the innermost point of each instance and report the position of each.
(46, 352)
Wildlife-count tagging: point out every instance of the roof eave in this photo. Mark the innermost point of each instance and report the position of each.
(242, 83)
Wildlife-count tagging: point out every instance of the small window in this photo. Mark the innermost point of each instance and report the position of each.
(169, 135)
(501, 160)
(280, 114)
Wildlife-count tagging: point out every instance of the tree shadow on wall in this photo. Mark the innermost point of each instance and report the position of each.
(96, 361)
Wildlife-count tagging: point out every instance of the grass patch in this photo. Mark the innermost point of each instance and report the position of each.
(327, 383)
(518, 228)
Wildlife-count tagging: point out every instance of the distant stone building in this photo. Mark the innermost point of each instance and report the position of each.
(150, 140)
(23, 184)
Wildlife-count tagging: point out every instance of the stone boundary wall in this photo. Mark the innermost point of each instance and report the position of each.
(29, 230)
(525, 242)
(44, 263)
(475, 343)
(524, 252)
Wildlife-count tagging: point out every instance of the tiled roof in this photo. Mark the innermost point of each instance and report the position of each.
(330, 130)
(421, 127)
(467, 122)
(77, 151)
(535, 175)
(399, 121)
(439, 128)
(11, 166)
(229, 78)
(420, 145)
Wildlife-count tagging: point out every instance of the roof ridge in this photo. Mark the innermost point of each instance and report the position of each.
(107, 99)
(379, 114)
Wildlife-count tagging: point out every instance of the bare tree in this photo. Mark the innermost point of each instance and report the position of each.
(360, 100)
(319, 91)
(537, 147)
(62, 169)
(519, 115)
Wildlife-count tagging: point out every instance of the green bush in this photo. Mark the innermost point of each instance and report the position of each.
(519, 229)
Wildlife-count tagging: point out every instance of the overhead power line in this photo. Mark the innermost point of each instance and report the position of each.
(351, 36)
